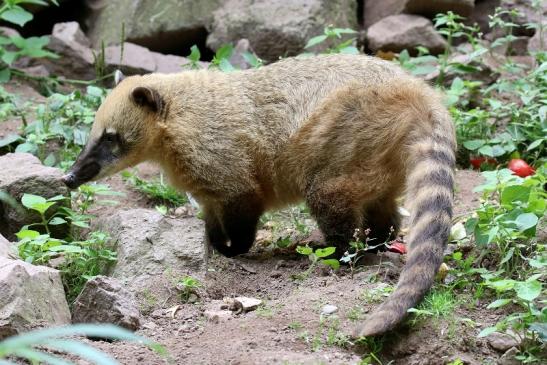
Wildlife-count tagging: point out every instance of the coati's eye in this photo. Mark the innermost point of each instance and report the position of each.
(110, 137)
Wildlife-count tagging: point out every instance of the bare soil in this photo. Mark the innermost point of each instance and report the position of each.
(289, 327)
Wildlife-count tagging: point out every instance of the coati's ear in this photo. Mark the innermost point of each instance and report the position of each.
(147, 97)
(118, 77)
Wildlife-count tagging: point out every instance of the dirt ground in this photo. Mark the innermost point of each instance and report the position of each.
(289, 327)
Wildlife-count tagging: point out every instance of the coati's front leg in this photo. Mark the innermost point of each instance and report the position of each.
(235, 220)
(335, 213)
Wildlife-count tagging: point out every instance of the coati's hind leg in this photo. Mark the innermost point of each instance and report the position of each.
(235, 220)
(383, 220)
(334, 210)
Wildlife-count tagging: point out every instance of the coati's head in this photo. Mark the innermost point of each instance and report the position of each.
(124, 132)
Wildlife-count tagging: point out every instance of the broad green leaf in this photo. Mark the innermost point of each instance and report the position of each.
(502, 285)
(16, 15)
(50, 160)
(42, 208)
(56, 221)
(486, 151)
(224, 52)
(534, 144)
(333, 263)
(499, 303)
(514, 193)
(225, 65)
(36, 2)
(8, 57)
(349, 50)
(526, 221)
(325, 252)
(27, 233)
(5, 75)
(528, 290)
(9, 139)
(540, 329)
(304, 250)
(26, 147)
(315, 40)
(30, 200)
(487, 331)
(66, 248)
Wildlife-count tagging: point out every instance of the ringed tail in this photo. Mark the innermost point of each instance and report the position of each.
(429, 198)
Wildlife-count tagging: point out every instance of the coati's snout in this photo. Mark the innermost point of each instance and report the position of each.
(96, 159)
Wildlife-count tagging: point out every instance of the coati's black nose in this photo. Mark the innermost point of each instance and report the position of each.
(70, 180)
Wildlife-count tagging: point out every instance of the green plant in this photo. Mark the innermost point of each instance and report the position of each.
(438, 303)
(331, 36)
(158, 191)
(317, 257)
(66, 121)
(187, 286)
(14, 47)
(452, 27)
(529, 323)
(30, 346)
(80, 259)
(359, 248)
(377, 294)
(509, 216)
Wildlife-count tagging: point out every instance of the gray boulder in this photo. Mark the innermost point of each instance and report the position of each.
(31, 295)
(159, 25)
(5, 247)
(104, 300)
(536, 44)
(376, 10)
(148, 244)
(24, 173)
(68, 41)
(136, 59)
(398, 32)
(77, 58)
(277, 28)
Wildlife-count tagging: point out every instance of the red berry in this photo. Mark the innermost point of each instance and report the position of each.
(520, 167)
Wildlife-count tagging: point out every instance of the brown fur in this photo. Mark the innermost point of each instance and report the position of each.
(347, 134)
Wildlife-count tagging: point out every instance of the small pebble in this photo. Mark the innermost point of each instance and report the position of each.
(329, 309)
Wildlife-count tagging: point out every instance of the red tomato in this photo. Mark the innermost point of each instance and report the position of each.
(520, 167)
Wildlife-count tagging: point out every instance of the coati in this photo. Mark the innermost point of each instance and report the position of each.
(347, 134)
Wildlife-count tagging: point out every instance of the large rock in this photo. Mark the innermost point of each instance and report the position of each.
(104, 300)
(376, 10)
(77, 58)
(24, 173)
(5, 247)
(149, 243)
(277, 28)
(527, 14)
(30, 295)
(536, 44)
(159, 25)
(480, 15)
(398, 32)
(136, 59)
